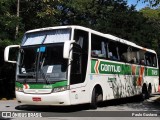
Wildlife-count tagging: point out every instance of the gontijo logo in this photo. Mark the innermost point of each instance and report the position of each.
(110, 68)
(105, 67)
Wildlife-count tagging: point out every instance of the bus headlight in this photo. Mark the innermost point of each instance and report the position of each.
(60, 89)
(19, 89)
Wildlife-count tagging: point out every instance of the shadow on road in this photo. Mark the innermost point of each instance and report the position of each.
(74, 108)
(61, 109)
(134, 99)
(138, 103)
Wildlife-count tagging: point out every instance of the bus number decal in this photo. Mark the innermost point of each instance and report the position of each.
(154, 72)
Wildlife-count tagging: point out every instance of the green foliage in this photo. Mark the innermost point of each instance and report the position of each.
(8, 19)
(38, 14)
(153, 14)
(153, 20)
(152, 3)
(108, 16)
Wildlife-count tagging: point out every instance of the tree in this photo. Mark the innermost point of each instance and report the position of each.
(8, 22)
(152, 3)
(8, 19)
(153, 19)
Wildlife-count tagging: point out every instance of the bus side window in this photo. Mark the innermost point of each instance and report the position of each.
(134, 55)
(113, 51)
(150, 59)
(154, 61)
(122, 50)
(141, 57)
(142, 62)
(98, 47)
(147, 59)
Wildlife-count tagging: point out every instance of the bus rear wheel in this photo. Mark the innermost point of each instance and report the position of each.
(149, 90)
(144, 94)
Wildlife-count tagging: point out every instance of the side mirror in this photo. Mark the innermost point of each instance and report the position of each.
(66, 49)
(6, 53)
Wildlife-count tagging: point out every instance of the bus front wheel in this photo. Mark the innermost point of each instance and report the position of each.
(94, 99)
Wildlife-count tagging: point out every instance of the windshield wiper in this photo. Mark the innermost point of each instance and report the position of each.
(26, 76)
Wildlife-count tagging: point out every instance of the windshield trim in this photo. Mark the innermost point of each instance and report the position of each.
(41, 81)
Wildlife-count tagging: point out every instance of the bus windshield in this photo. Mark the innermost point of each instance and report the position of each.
(42, 63)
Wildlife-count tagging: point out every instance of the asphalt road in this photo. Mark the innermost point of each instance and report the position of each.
(125, 109)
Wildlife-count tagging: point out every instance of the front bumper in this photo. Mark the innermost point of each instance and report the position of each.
(58, 99)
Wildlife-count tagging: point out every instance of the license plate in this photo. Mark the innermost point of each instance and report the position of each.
(36, 99)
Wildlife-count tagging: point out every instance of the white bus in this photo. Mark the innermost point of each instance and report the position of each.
(69, 65)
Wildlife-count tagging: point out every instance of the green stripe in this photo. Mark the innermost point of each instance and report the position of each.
(93, 62)
(111, 68)
(106, 67)
(43, 86)
(137, 70)
(19, 85)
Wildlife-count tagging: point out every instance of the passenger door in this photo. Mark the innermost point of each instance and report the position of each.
(78, 92)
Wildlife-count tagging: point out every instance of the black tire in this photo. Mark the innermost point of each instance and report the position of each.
(144, 94)
(149, 90)
(94, 101)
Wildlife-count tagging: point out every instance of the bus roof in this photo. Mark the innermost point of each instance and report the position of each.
(109, 36)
